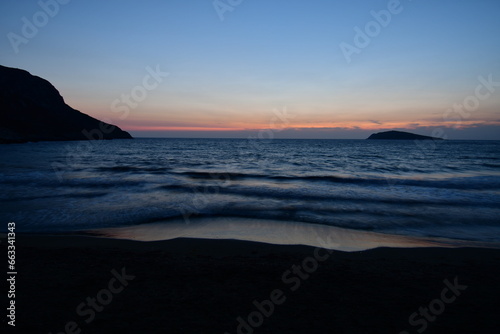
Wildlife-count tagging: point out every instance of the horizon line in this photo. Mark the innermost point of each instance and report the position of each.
(269, 139)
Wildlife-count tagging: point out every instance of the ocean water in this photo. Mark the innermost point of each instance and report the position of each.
(442, 189)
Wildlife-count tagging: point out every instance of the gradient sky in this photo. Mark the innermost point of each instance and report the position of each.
(231, 77)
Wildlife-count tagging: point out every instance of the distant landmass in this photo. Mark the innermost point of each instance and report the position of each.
(31, 109)
(400, 135)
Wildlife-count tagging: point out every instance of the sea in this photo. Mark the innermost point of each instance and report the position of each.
(441, 190)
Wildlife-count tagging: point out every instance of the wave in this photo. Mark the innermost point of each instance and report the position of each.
(92, 179)
(472, 182)
(42, 197)
(129, 169)
(291, 195)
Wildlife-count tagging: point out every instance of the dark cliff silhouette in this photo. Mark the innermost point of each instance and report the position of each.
(400, 135)
(31, 109)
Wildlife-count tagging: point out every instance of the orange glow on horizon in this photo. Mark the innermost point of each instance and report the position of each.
(362, 125)
(179, 128)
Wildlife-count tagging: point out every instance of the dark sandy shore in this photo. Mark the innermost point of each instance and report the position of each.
(89, 285)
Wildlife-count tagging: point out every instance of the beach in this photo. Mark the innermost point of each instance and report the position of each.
(248, 167)
(160, 237)
(81, 284)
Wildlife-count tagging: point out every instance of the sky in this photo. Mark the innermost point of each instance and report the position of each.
(339, 69)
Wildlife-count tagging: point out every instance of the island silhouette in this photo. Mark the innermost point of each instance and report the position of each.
(400, 135)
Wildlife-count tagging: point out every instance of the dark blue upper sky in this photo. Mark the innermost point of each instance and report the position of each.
(340, 69)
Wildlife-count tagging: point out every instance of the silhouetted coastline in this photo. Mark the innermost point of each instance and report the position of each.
(31, 110)
(401, 135)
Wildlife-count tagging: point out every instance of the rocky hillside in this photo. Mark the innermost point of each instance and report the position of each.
(31, 109)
